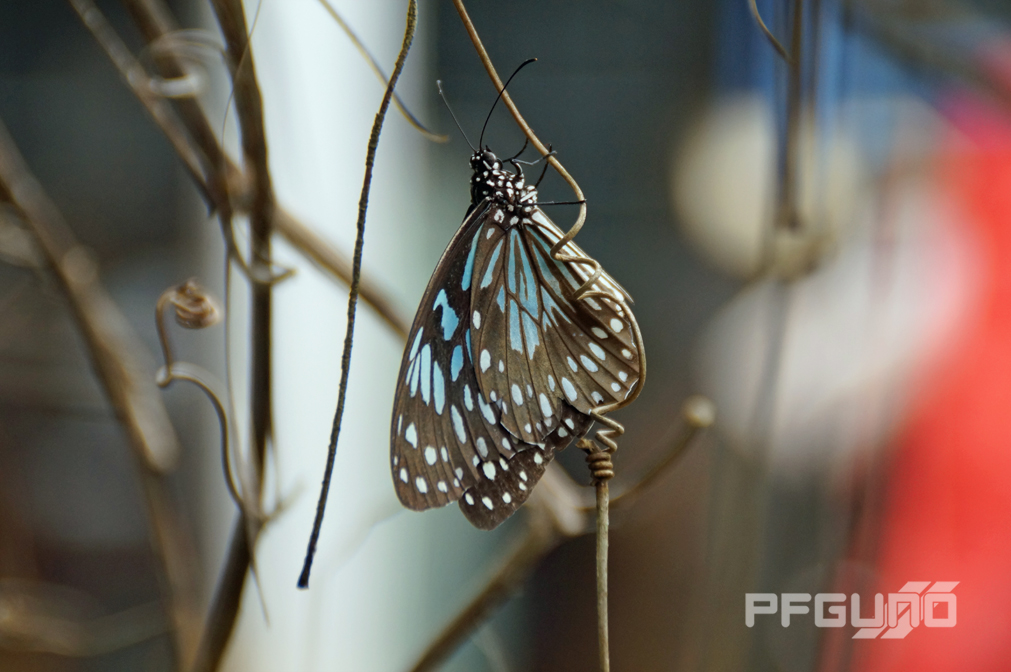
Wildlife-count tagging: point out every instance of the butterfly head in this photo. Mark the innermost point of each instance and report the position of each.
(505, 189)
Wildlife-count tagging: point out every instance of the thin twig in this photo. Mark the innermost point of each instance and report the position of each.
(249, 110)
(36, 620)
(135, 76)
(334, 261)
(603, 640)
(363, 204)
(540, 537)
(117, 356)
(780, 49)
(220, 176)
(789, 215)
(521, 122)
(203, 168)
(378, 70)
(699, 414)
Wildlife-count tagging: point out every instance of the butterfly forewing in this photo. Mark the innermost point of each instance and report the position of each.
(446, 436)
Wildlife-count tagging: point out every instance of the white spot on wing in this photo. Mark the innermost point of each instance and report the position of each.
(616, 387)
(545, 404)
(487, 502)
(482, 447)
(485, 360)
(616, 325)
(597, 351)
(489, 470)
(537, 458)
(517, 395)
(626, 353)
(477, 315)
(431, 455)
(596, 396)
(506, 497)
(598, 332)
(403, 475)
(572, 364)
(411, 435)
(486, 411)
(623, 376)
(442, 486)
(421, 484)
(590, 365)
(570, 390)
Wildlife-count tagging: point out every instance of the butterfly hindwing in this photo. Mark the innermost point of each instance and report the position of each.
(535, 346)
(489, 503)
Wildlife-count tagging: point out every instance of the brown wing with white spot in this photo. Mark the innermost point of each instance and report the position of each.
(489, 502)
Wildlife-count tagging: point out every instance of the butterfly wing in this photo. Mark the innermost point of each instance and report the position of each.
(537, 350)
(447, 442)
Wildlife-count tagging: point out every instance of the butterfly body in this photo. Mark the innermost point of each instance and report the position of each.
(503, 366)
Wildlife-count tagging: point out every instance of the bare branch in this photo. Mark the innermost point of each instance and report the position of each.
(540, 537)
(218, 176)
(377, 69)
(118, 358)
(363, 204)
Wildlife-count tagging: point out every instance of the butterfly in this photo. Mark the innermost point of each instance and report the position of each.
(503, 365)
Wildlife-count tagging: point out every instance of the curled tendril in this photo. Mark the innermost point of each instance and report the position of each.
(194, 51)
(614, 429)
(194, 307)
(599, 460)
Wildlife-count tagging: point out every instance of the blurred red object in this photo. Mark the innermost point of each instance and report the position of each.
(946, 512)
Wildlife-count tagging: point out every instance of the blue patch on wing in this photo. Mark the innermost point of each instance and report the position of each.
(515, 340)
(450, 320)
(468, 270)
(456, 364)
(530, 333)
(528, 283)
(486, 280)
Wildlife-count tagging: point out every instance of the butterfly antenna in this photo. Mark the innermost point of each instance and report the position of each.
(499, 97)
(438, 83)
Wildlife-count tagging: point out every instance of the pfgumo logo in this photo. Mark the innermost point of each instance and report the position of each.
(912, 605)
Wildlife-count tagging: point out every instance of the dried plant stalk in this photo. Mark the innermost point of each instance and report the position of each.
(118, 358)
